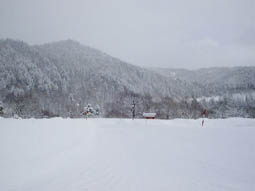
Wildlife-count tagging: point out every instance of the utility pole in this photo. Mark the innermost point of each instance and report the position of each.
(133, 109)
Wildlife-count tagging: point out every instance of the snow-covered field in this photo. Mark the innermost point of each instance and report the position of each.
(126, 155)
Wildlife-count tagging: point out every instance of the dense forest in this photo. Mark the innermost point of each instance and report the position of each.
(61, 78)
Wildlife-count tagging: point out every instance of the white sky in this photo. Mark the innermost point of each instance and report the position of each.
(152, 33)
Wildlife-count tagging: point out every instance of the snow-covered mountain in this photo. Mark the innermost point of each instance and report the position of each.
(215, 81)
(72, 56)
(226, 91)
(61, 78)
(67, 72)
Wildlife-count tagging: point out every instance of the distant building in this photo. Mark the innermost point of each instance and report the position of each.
(149, 115)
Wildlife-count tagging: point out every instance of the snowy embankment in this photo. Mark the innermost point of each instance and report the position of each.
(125, 155)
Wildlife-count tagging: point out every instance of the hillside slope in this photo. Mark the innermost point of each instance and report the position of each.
(58, 76)
(61, 78)
(215, 81)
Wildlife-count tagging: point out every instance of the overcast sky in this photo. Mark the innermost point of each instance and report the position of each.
(152, 33)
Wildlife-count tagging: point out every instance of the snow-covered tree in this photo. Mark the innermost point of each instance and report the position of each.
(1, 108)
(89, 111)
(39, 80)
(97, 110)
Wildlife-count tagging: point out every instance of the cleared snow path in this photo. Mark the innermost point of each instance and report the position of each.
(125, 155)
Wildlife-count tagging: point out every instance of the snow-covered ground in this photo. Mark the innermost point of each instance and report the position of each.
(127, 155)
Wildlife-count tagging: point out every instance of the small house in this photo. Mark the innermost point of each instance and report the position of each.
(149, 115)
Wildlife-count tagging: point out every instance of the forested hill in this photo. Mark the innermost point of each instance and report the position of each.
(60, 78)
(215, 81)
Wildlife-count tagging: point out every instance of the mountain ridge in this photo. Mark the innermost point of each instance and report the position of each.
(62, 77)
